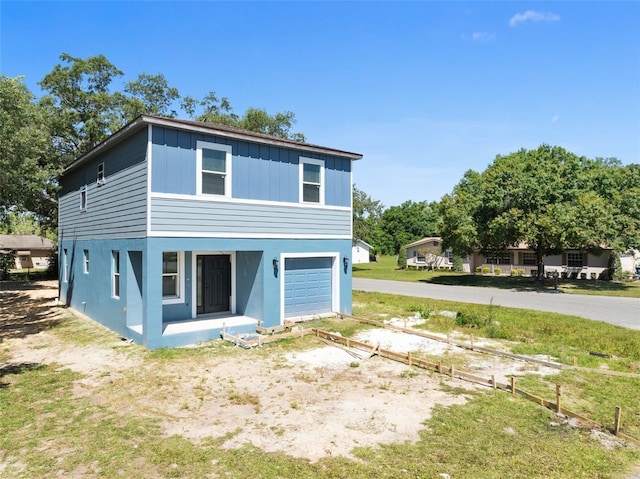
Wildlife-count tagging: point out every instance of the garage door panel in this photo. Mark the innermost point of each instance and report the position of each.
(308, 286)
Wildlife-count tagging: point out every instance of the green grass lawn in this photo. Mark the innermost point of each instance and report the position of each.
(48, 430)
(386, 268)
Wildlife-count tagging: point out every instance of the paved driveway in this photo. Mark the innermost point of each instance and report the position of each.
(619, 311)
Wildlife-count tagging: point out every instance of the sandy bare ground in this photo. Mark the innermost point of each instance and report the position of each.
(310, 403)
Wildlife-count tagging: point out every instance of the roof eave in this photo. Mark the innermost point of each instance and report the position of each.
(218, 130)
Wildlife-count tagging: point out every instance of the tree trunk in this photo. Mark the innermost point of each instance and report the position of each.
(540, 262)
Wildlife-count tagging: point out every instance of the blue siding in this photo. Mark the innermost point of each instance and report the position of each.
(259, 172)
(116, 209)
(219, 217)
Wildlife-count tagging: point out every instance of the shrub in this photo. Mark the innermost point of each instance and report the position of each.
(470, 320)
(458, 264)
(514, 272)
(7, 262)
(520, 272)
(486, 270)
(497, 271)
(615, 267)
(402, 258)
(478, 269)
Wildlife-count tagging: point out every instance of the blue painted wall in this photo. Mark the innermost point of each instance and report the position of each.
(91, 293)
(259, 172)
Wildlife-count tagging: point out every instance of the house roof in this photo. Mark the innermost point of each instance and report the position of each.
(364, 243)
(428, 239)
(143, 121)
(24, 242)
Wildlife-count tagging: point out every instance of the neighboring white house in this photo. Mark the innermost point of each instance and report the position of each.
(360, 252)
(571, 263)
(629, 261)
(427, 254)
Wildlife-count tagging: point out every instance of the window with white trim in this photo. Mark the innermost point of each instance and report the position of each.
(172, 276)
(529, 259)
(65, 266)
(83, 198)
(85, 261)
(115, 274)
(311, 181)
(213, 169)
(100, 176)
(574, 260)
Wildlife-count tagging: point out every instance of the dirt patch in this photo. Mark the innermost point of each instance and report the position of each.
(310, 403)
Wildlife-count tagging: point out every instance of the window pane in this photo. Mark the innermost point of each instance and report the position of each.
(116, 285)
(169, 286)
(311, 173)
(212, 184)
(311, 193)
(214, 160)
(170, 262)
(116, 262)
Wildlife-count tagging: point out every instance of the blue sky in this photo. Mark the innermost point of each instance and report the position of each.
(424, 90)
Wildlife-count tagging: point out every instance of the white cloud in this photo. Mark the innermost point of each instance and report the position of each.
(482, 36)
(555, 118)
(533, 16)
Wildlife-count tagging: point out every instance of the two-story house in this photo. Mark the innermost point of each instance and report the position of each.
(171, 230)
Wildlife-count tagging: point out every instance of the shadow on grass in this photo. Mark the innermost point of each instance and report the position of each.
(21, 314)
(15, 368)
(530, 284)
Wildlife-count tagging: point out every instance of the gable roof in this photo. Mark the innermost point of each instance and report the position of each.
(24, 242)
(143, 121)
(363, 243)
(428, 239)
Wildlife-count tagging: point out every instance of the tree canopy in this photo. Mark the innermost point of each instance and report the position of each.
(411, 221)
(366, 217)
(82, 107)
(548, 198)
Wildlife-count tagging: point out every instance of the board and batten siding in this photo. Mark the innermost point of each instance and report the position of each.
(115, 209)
(259, 172)
(184, 217)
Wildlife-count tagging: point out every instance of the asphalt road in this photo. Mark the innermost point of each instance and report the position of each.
(619, 311)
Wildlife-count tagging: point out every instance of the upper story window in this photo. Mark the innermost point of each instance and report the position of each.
(213, 169)
(311, 181)
(100, 176)
(83, 198)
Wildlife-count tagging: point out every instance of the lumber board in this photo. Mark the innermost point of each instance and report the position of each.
(482, 349)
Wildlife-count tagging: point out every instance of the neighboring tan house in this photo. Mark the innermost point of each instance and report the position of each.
(427, 254)
(361, 252)
(31, 251)
(172, 231)
(569, 264)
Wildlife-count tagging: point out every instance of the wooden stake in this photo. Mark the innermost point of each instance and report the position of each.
(558, 400)
(439, 367)
(575, 361)
(493, 381)
(513, 385)
(409, 358)
(452, 372)
(616, 423)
